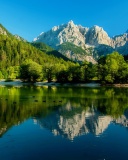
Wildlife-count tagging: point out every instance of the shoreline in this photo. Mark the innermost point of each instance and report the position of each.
(45, 83)
(54, 83)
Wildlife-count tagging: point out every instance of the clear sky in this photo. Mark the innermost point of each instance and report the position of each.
(28, 18)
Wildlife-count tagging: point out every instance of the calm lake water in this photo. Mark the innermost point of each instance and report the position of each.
(63, 123)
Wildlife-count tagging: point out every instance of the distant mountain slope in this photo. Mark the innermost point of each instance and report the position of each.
(14, 50)
(49, 51)
(94, 39)
(42, 46)
(75, 53)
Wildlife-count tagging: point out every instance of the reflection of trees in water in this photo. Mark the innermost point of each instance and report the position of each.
(19, 104)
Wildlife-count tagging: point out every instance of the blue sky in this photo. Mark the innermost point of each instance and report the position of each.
(28, 18)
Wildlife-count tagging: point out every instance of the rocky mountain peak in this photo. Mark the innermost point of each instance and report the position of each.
(96, 36)
(96, 28)
(63, 33)
(94, 40)
(76, 34)
(55, 28)
(71, 23)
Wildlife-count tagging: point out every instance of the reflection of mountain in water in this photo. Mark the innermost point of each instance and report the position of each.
(71, 114)
(122, 120)
(63, 122)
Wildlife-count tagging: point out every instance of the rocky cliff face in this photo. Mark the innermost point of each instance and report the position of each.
(84, 37)
(120, 40)
(60, 34)
(96, 36)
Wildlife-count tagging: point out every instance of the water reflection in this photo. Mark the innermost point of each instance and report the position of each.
(66, 111)
(67, 122)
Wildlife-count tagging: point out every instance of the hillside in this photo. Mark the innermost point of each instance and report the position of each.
(75, 53)
(4, 31)
(14, 51)
(48, 50)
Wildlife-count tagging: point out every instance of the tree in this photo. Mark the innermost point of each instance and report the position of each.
(112, 68)
(89, 71)
(75, 73)
(49, 71)
(11, 73)
(1, 75)
(30, 71)
(62, 76)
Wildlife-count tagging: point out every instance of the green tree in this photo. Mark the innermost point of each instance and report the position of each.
(49, 71)
(62, 76)
(112, 68)
(89, 71)
(30, 71)
(1, 75)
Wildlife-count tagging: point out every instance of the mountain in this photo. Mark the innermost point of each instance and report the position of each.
(94, 41)
(64, 33)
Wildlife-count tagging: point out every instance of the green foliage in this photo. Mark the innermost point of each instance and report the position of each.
(14, 52)
(75, 73)
(49, 71)
(30, 71)
(113, 69)
(11, 73)
(42, 46)
(89, 71)
(58, 55)
(3, 28)
(62, 76)
(71, 47)
(1, 75)
(48, 50)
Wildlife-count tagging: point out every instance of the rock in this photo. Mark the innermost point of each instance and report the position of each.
(96, 36)
(60, 34)
(120, 40)
(94, 39)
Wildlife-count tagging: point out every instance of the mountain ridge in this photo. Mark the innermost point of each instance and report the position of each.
(84, 37)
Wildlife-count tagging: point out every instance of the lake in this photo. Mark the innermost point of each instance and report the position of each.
(63, 123)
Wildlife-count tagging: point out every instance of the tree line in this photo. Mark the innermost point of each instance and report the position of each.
(109, 69)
